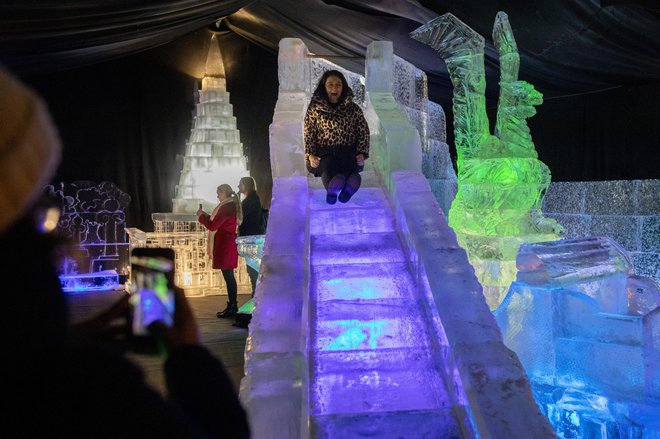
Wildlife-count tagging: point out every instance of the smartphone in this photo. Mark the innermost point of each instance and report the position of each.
(151, 288)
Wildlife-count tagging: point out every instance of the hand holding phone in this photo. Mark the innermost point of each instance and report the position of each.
(151, 288)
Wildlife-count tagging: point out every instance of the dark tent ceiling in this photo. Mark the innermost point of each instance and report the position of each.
(120, 76)
(567, 46)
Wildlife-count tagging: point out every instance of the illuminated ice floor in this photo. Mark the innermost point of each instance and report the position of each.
(373, 368)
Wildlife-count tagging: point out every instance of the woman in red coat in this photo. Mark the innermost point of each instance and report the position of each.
(222, 224)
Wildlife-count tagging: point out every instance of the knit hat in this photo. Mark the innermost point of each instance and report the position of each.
(29, 149)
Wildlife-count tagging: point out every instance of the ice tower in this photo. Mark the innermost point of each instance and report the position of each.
(501, 182)
(214, 153)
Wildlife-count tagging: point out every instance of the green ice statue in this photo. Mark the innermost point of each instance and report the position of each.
(501, 182)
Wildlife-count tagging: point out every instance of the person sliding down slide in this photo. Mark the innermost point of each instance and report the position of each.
(336, 137)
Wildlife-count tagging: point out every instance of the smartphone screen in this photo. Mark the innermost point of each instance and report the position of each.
(151, 288)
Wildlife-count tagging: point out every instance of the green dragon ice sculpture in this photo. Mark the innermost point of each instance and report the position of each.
(501, 182)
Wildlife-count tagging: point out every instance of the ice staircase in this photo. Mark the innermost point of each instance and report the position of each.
(373, 353)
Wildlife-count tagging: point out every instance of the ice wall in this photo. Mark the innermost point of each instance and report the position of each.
(501, 182)
(587, 331)
(626, 210)
(274, 389)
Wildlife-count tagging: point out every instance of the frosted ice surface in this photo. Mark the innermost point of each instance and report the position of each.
(586, 328)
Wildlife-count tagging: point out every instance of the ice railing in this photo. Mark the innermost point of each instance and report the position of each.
(483, 373)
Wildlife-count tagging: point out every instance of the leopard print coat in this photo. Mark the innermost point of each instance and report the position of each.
(327, 126)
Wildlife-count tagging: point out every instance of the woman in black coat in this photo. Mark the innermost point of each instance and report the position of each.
(253, 218)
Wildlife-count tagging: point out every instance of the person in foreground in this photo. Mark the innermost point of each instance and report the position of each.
(75, 381)
(222, 224)
(253, 219)
(336, 137)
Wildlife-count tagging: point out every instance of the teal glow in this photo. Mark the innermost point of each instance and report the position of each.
(352, 289)
(357, 335)
(247, 307)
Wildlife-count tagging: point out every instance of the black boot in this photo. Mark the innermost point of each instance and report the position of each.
(352, 185)
(334, 188)
(229, 312)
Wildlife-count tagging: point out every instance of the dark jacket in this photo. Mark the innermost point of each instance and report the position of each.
(253, 223)
(52, 388)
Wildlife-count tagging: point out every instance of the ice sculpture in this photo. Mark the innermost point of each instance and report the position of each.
(92, 220)
(193, 271)
(587, 331)
(501, 183)
(214, 155)
(251, 248)
(379, 333)
(214, 152)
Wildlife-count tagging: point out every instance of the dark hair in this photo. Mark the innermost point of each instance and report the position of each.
(320, 88)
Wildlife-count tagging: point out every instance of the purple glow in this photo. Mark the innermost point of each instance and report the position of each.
(99, 281)
(372, 347)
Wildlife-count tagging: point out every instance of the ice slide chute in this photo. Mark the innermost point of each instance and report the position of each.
(368, 319)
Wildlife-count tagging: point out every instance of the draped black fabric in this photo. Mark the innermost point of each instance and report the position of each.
(119, 76)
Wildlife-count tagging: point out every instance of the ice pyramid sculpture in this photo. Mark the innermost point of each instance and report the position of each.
(214, 153)
(501, 182)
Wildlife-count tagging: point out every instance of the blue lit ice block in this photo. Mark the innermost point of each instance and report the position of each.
(98, 281)
(251, 248)
(588, 333)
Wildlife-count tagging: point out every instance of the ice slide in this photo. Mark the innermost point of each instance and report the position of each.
(368, 319)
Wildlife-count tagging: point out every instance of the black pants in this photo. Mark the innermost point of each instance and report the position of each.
(232, 288)
(341, 160)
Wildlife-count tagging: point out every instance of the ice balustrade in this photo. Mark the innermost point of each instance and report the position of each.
(193, 267)
(501, 182)
(587, 331)
(300, 354)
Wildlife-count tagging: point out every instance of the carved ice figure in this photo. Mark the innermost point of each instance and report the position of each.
(501, 182)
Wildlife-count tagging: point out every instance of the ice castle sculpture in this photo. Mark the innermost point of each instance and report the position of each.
(214, 152)
(214, 155)
(587, 331)
(501, 182)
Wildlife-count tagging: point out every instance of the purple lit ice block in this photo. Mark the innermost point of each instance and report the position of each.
(101, 280)
(588, 333)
